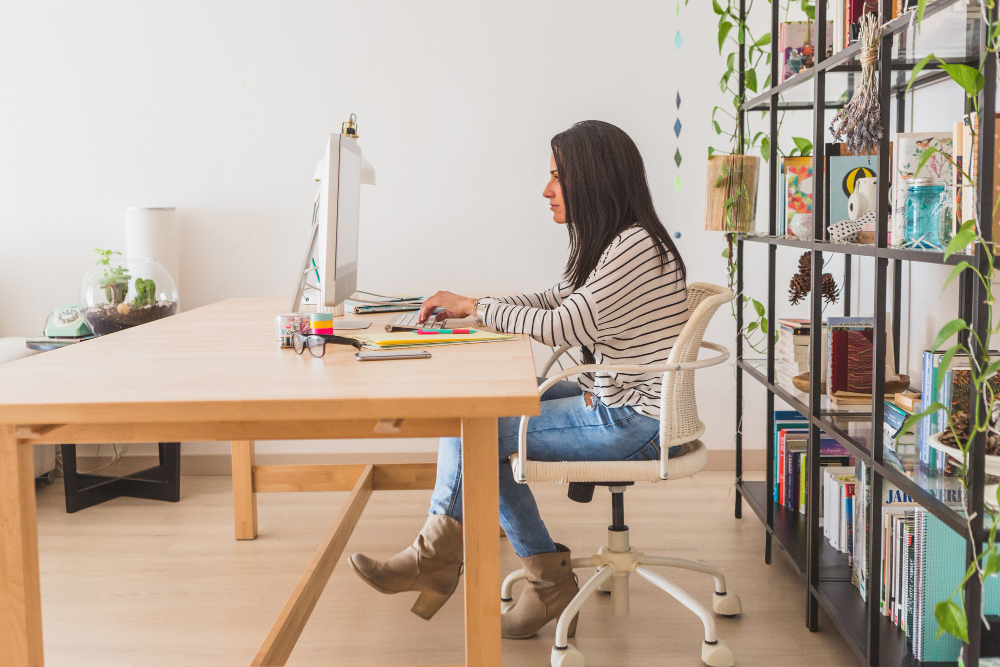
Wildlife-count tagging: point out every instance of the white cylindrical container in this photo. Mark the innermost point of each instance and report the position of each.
(151, 233)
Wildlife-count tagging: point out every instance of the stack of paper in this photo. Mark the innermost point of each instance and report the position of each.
(385, 341)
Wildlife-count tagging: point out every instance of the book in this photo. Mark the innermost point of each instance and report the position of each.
(956, 181)
(796, 44)
(784, 420)
(798, 174)
(909, 147)
(849, 354)
(844, 172)
(796, 327)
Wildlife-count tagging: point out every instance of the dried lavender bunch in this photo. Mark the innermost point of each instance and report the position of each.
(859, 123)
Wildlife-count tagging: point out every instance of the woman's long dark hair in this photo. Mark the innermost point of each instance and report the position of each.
(605, 192)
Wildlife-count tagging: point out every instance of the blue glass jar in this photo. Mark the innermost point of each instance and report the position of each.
(922, 213)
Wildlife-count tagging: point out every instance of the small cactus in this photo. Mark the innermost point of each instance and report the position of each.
(145, 289)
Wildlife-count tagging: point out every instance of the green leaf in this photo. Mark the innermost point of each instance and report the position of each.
(943, 366)
(992, 566)
(724, 29)
(951, 619)
(767, 81)
(921, 6)
(966, 235)
(763, 324)
(763, 41)
(914, 419)
(969, 78)
(758, 307)
(926, 155)
(718, 129)
(716, 8)
(919, 66)
(725, 252)
(731, 62)
(949, 330)
(710, 151)
(751, 327)
(961, 266)
(751, 80)
(804, 145)
(765, 148)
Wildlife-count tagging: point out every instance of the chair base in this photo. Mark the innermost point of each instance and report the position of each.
(616, 563)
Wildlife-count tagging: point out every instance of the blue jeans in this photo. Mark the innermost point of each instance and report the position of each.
(567, 430)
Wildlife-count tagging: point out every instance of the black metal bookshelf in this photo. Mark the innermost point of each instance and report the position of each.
(825, 571)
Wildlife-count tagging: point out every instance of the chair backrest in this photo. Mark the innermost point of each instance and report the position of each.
(703, 299)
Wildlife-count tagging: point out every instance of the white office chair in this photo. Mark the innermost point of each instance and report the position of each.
(679, 425)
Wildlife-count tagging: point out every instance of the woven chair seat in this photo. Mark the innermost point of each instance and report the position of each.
(691, 457)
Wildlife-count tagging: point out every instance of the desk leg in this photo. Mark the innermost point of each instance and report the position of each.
(481, 511)
(244, 498)
(20, 594)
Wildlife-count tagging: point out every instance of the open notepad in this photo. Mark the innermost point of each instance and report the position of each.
(384, 341)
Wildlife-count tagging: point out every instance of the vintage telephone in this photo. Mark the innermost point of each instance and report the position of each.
(67, 322)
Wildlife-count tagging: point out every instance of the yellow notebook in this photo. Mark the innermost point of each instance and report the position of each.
(382, 341)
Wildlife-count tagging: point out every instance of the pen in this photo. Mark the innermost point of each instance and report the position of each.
(429, 332)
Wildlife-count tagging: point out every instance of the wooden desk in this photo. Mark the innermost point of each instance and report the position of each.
(217, 373)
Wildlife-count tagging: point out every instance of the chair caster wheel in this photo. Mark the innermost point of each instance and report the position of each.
(727, 604)
(717, 654)
(567, 657)
(506, 605)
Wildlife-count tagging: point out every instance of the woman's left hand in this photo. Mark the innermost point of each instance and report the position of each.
(453, 306)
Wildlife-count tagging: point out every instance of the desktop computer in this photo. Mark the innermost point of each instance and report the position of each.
(332, 254)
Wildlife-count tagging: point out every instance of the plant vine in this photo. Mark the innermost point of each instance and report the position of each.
(734, 32)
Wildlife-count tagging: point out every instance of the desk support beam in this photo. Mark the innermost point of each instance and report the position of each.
(481, 509)
(20, 592)
(286, 630)
(244, 498)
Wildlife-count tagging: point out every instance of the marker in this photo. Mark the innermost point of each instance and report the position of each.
(431, 332)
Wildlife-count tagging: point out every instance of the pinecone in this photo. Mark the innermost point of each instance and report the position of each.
(798, 288)
(830, 290)
(960, 420)
(805, 262)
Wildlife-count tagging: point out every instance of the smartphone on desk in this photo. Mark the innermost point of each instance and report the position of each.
(380, 355)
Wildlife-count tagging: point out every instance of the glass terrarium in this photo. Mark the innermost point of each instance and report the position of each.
(122, 293)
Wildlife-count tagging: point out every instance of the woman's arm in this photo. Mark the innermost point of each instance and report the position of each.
(572, 322)
(456, 305)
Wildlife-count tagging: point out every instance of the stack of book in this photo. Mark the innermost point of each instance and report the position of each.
(791, 438)
(921, 564)
(791, 352)
(839, 486)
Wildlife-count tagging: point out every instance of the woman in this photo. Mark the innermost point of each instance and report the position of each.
(623, 301)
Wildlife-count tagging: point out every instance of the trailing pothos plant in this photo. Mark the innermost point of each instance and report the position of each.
(734, 32)
(964, 428)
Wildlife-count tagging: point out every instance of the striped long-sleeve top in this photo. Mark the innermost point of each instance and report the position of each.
(629, 311)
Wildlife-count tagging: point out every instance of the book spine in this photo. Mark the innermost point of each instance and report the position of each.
(927, 455)
(803, 473)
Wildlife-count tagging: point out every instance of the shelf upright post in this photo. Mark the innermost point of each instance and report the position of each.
(772, 249)
(741, 131)
(814, 535)
(897, 264)
(981, 325)
(880, 334)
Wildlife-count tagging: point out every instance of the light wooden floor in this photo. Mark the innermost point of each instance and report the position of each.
(135, 582)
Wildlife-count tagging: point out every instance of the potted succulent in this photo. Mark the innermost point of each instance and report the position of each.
(118, 293)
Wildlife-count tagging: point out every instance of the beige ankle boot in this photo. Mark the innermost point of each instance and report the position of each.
(550, 586)
(431, 565)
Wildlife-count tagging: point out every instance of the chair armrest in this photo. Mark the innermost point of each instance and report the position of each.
(555, 356)
(666, 396)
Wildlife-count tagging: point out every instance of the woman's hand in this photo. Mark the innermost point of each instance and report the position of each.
(453, 306)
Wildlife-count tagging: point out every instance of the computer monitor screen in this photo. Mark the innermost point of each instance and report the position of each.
(348, 210)
(338, 220)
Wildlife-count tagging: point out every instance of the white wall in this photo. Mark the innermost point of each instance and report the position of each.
(221, 108)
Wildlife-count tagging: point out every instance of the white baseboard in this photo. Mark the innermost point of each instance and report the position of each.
(220, 464)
